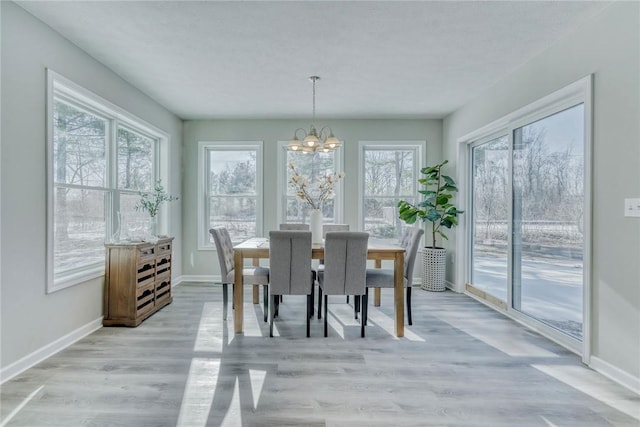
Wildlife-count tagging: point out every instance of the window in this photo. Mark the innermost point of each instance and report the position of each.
(230, 189)
(312, 166)
(100, 158)
(389, 172)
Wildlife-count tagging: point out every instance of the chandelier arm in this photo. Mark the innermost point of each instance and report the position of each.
(323, 134)
(295, 133)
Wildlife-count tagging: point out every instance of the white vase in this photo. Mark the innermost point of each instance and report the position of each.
(316, 226)
(151, 230)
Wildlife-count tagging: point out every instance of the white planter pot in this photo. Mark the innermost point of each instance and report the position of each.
(434, 264)
(316, 226)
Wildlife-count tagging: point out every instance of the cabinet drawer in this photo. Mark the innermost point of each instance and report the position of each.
(163, 285)
(145, 273)
(163, 264)
(145, 299)
(146, 253)
(164, 248)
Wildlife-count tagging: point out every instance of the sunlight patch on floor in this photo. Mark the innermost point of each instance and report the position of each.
(233, 417)
(549, 423)
(198, 392)
(388, 324)
(595, 385)
(502, 339)
(208, 339)
(252, 321)
(334, 324)
(257, 382)
(21, 405)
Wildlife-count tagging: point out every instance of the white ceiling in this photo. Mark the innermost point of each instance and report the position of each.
(390, 59)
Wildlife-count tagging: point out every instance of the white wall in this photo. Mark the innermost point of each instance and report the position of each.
(271, 131)
(30, 318)
(609, 47)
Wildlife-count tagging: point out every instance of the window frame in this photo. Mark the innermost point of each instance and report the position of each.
(204, 147)
(65, 90)
(418, 145)
(281, 193)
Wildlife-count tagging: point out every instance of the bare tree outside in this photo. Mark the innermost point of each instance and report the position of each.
(388, 178)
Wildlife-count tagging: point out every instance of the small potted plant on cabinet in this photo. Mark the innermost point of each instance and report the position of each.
(437, 209)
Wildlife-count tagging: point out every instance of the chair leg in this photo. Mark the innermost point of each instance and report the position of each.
(309, 307)
(313, 297)
(409, 304)
(265, 300)
(326, 327)
(319, 303)
(363, 314)
(276, 302)
(366, 306)
(347, 299)
(225, 297)
(356, 306)
(273, 314)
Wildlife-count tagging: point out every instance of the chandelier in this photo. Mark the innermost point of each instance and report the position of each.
(314, 141)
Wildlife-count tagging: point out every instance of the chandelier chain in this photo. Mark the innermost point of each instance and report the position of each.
(313, 79)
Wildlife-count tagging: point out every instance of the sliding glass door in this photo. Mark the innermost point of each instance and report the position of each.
(548, 204)
(528, 221)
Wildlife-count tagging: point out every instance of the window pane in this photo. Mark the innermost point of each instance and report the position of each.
(548, 200)
(237, 214)
(133, 223)
(79, 228)
(232, 172)
(79, 146)
(389, 172)
(381, 217)
(135, 161)
(232, 192)
(389, 177)
(312, 166)
(490, 216)
(300, 211)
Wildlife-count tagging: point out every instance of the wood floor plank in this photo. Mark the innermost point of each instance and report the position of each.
(460, 364)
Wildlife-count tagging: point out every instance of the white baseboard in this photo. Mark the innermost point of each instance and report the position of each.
(48, 350)
(616, 374)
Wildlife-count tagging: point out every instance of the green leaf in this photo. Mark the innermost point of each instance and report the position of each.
(432, 215)
(448, 180)
(443, 199)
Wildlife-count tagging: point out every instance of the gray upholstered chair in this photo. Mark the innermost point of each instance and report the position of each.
(294, 226)
(383, 278)
(327, 228)
(290, 269)
(251, 275)
(345, 270)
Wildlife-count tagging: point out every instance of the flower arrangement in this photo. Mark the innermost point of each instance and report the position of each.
(317, 194)
(151, 202)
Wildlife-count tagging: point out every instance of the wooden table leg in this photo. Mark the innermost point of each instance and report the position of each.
(398, 293)
(238, 303)
(256, 288)
(376, 291)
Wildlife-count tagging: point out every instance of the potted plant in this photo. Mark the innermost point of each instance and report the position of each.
(437, 209)
(151, 202)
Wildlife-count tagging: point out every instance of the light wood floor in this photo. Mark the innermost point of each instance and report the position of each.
(460, 364)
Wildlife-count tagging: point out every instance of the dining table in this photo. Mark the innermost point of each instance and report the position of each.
(257, 248)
